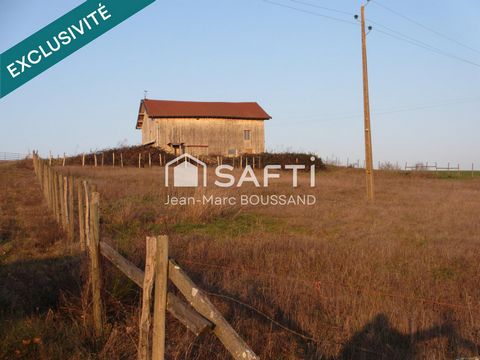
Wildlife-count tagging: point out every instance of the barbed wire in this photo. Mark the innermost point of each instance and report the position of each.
(318, 283)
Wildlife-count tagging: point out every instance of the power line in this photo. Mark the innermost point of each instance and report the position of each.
(323, 7)
(333, 117)
(309, 12)
(389, 31)
(376, 2)
(425, 46)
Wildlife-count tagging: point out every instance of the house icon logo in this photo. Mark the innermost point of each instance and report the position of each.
(186, 171)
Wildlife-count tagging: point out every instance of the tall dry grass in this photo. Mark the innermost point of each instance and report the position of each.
(395, 279)
(343, 279)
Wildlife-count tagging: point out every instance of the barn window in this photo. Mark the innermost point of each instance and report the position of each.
(247, 134)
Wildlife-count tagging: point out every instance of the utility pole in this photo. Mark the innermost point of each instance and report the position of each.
(366, 110)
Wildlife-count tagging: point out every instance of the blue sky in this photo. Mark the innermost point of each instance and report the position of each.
(305, 70)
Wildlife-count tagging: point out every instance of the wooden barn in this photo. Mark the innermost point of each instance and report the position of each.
(203, 128)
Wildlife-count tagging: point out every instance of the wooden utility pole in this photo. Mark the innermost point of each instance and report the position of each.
(366, 109)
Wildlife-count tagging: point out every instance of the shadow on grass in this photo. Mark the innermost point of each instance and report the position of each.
(379, 340)
(34, 286)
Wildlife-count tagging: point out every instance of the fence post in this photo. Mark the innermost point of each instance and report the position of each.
(95, 159)
(61, 191)
(103, 156)
(81, 215)
(83, 159)
(139, 160)
(113, 159)
(121, 160)
(54, 181)
(63, 162)
(49, 185)
(65, 203)
(160, 302)
(149, 160)
(95, 265)
(145, 317)
(71, 210)
(87, 213)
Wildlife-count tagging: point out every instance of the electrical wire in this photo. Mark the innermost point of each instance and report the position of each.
(376, 2)
(418, 43)
(400, 109)
(310, 12)
(323, 7)
(387, 30)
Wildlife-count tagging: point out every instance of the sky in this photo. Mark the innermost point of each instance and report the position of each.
(303, 68)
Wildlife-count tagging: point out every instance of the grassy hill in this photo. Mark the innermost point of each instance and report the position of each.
(342, 279)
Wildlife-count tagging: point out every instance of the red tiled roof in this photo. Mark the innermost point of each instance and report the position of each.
(193, 109)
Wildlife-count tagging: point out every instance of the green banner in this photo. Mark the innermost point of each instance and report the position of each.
(61, 38)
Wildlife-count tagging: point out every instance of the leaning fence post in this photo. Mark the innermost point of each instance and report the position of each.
(160, 303)
(145, 317)
(95, 265)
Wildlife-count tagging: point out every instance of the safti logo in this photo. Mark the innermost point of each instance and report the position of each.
(186, 173)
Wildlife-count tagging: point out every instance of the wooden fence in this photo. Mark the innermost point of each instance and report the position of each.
(434, 167)
(9, 156)
(199, 315)
(147, 160)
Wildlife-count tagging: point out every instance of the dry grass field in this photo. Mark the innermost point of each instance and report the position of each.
(342, 279)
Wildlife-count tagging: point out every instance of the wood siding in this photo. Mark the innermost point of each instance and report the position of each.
(205, 136)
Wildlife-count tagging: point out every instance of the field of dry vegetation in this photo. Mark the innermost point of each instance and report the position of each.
(343, 279)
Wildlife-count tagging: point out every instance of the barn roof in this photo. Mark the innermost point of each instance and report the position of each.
(196, 109)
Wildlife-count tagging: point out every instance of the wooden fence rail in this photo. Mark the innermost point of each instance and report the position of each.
(199, 315)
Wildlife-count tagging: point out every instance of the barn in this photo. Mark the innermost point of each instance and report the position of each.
(203, 128)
